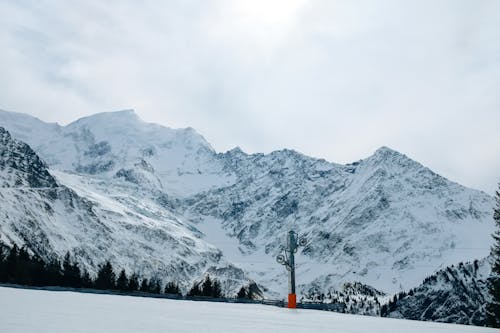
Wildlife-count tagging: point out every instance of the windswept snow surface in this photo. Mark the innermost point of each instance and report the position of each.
(51, 311)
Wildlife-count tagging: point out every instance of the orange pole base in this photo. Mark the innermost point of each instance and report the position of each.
(292, 301)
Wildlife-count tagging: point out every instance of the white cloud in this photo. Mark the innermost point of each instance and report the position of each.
(333, 79)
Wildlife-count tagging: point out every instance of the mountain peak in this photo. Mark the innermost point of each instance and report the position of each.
(386, 151)
(391, 160)
(4, 135)
(20, 165)
(236, 151)
(121, 116)
(125, 112)
(387, 154)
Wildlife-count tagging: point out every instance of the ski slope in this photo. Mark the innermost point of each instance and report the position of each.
(55, 311)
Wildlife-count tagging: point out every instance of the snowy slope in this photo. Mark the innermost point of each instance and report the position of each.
(73, 312)
(119, 144)
(385, 221)
(51, 219)
(457, 294)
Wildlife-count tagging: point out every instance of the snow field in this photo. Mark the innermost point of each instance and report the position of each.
(41, 311)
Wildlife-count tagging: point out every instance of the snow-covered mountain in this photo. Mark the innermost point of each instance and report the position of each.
(50, 218)
(385, 221)
(120, 145)
(456, 294)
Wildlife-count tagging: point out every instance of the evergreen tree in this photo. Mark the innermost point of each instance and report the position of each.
(11, 265)
(207, 288)
(195, 290)
(391, 305)
(493, 308)
(383, 310)
(242, 293)
(66, 270)
(216, 289)
(122, 281)
(38, 271)
(155, 286)
(172, 288)
(53, 272)
(71, 273)
(24, 267)
(3, 271)
(253, 291)
(144, 286)
(105, 277)
(87, 280)
(19, 267)
(133, 283)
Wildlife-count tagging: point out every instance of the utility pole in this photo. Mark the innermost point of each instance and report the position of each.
(288, 260)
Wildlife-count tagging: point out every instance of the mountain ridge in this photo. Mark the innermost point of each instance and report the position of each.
(386, 221)
(51, 217)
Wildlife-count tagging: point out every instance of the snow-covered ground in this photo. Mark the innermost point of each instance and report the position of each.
(54, 311)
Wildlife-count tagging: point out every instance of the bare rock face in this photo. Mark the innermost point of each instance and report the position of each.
(20, 166)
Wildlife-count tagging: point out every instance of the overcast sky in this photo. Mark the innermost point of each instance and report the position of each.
(331, 79)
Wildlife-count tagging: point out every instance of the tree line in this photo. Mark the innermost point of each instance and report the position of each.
(493, 307)
(18, 266)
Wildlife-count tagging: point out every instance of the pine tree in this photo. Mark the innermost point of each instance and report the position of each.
(144, 286)
(24, 267)
(71, 273)
(54, 275)
(253, 291)
(155, 286)
(242, 293)
(87, 280)
(383, 310)
(66, 270)
(3, 272)
(133, 283)
(216, 289)
(207, 287)
(105, 277)
(37, 270)
(493, 308)
(172, 288)
(195, 290)
(122, 281)
(11, 265)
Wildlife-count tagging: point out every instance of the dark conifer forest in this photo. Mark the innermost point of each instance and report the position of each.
(18, 266)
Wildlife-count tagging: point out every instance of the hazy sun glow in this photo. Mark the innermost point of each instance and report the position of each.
(263, 22)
